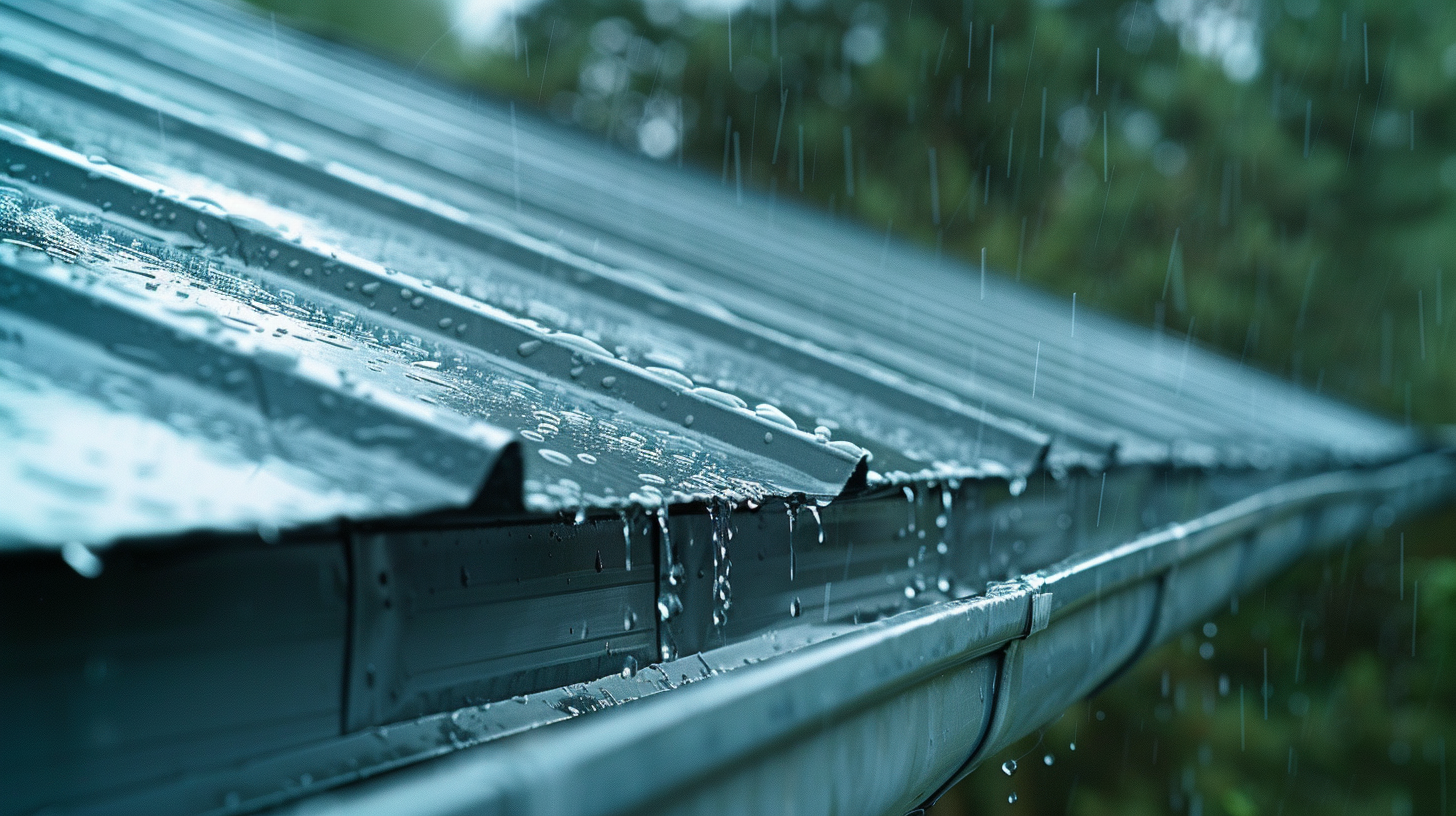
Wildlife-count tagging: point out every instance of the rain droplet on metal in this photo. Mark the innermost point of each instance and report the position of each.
(81, 559)
(555, 457)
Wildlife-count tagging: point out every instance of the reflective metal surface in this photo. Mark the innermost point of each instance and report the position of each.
(347, 423)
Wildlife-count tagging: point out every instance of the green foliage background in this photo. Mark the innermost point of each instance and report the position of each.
(1301, 221)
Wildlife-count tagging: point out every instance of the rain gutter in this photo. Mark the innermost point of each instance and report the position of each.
(697, 745)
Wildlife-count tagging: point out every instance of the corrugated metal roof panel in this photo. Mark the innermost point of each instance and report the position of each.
(465, 267)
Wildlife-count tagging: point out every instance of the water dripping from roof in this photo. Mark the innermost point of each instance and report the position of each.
(910, 504)
(818, 522)
(793, 512)
(626, 538)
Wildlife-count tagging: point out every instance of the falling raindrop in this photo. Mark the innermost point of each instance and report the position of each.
(1048, 760)
(1011, 799)
(1008, 767)
(983, 273)
(793, 511)
(910, 505)
(627, 539)
(795, 608)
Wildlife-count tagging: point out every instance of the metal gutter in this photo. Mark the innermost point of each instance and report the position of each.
(679, 752)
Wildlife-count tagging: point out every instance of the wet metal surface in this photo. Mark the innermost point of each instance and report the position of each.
(347, 423)
(485, 277)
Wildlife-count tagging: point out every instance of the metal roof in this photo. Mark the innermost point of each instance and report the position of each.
(305, 249)
(377, 407)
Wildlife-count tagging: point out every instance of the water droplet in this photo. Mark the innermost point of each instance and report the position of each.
(1048, 760)
(580, 344)
(768, 437)
(554, 457)
(370, 288)
(1011, 800)
(818, 522)
(720, 397)
(629, 667)
(586, 458)
(795, 608)
(1008, 767)
(629, 621)
(81, 559)
(608, 382)
(674, 377)
(774, 415)
(529, 347)
(599, 565)
(627, 539)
